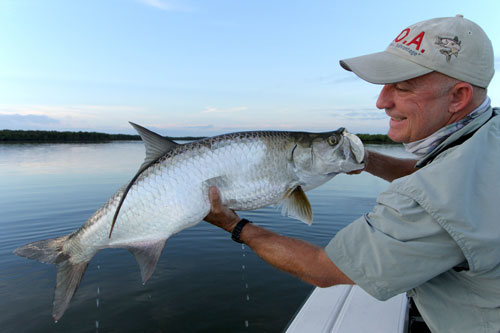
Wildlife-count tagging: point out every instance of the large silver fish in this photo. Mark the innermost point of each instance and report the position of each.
(170, 193)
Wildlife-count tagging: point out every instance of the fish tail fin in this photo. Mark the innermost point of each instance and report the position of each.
(69, 275)
(68, 279)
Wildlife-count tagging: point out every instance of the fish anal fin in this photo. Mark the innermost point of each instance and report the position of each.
(147, 255)
(296, 204)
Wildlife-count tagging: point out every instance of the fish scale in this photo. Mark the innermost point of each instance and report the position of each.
(170, 193)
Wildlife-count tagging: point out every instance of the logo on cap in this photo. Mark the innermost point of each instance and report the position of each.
(449, 46)
(410, 44)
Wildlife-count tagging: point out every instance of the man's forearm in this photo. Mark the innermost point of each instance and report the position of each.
(301, 259)
(388, 167)
(306, 261)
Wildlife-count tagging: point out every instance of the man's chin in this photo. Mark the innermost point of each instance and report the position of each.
(397, 138)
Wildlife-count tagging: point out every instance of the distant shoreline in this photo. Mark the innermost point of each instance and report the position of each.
(375, 138)
(22, 136)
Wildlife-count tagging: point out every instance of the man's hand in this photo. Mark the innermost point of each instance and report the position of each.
(220, 215)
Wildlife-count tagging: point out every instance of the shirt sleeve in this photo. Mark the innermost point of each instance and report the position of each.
(393, 249)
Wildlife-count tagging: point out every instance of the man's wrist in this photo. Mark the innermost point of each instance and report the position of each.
(236, 233)
(366, 160)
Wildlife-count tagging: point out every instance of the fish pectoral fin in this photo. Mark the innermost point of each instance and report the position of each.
(295, 204)
(156, 145)
(147, 255)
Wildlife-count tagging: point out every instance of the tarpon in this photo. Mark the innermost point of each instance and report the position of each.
(169, 193)
(450, 46)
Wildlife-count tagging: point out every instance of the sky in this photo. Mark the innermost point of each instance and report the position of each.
(192, 67)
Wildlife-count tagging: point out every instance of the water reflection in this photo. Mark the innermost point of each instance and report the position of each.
(33, 159)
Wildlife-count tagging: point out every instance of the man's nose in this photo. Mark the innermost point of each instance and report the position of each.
(385, 98)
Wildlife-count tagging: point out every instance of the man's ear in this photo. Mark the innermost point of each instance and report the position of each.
(460, 97)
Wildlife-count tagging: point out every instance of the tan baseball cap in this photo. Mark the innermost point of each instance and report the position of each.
(454, 46)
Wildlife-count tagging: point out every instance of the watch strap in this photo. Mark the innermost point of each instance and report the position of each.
(235, 235)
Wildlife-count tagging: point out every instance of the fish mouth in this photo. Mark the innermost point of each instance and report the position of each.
(356, 146)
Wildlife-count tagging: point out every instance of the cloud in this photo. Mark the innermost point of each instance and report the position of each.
(213, 109)
(365, 116)
(201, 127)
(210, 120)
(67, 117)
(17, 121)
(348, 109)
(353, 113)
(170, 6)
(334, 79)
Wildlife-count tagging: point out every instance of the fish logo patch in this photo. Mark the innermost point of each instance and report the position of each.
(449, 46)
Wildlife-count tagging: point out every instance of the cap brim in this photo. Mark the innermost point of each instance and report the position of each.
(383, 68)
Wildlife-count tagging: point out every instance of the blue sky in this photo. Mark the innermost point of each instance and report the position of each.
(203, 67)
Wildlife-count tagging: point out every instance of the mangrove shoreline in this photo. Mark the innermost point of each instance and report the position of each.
(25, 136)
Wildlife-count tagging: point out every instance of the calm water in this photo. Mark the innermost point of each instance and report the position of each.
(204, 282)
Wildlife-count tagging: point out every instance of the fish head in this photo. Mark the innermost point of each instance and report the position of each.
(327, 154)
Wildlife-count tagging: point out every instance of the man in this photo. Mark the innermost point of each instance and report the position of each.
(435, 232)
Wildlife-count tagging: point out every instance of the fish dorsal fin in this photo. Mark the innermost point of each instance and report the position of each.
(147, 255)
(156, 145)
(295, 204)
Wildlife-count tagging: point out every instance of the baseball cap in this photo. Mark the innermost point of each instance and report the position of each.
(454, 46)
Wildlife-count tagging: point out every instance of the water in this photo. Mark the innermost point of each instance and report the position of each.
(204, 282)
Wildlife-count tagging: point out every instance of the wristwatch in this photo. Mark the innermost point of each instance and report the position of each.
(235, 235)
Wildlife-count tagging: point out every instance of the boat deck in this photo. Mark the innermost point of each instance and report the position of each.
(347, 308)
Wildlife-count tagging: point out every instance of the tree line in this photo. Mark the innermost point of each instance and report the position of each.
(10, 136)
(375, 138)
(7, 136)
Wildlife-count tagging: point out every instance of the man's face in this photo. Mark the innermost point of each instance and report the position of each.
(417, 107)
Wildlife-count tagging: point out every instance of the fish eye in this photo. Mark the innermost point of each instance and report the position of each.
(332, 140)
